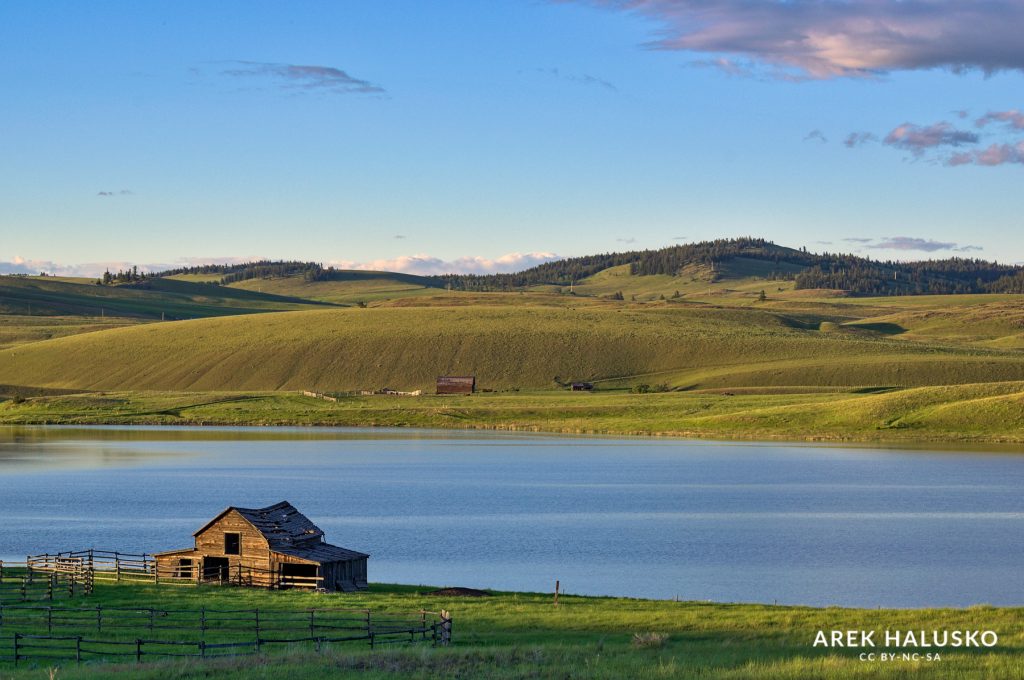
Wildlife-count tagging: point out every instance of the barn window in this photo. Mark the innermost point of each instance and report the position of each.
(232, 543)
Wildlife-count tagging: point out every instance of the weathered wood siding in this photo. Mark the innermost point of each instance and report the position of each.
(254, 547)
(456, 384)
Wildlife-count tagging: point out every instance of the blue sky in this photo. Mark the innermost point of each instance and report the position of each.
(484, 136)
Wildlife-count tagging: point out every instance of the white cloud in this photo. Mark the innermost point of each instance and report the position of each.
(425, 265)
(429, 265)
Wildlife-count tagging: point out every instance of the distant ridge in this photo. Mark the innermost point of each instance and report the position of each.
(852, 273)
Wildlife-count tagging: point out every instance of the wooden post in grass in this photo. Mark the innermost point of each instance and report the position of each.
(557, 585)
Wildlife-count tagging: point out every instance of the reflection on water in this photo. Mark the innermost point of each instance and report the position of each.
(642, 517)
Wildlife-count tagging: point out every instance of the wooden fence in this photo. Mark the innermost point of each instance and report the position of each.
(22, 582)
(217, 631)
(114, 566)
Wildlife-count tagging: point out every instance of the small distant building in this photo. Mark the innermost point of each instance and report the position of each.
(582, 387)
(272, 547)
(456, 384)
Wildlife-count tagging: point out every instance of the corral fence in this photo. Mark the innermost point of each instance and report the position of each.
(27, 582)
(218, 631)
(114, 566)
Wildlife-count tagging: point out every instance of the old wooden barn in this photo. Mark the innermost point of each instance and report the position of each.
(272, 547)
(456, 384)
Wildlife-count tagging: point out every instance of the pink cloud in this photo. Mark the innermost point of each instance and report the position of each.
(918, 138)
(993, 155)
(828, 39)
(428, 265)
(1013, 117)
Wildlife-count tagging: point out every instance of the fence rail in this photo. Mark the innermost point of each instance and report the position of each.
(332, 626)
(112, 566)
(23, 582)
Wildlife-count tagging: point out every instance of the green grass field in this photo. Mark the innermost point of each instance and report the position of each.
(173, 299)
(989, 412)
(515, 635)
(506, 347)
(799, 364)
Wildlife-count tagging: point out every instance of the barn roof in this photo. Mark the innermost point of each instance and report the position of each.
(321, 552)
(281, 524)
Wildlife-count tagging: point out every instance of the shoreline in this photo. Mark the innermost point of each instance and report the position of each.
(972, 415)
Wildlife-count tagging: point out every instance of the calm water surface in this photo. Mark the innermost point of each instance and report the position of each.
(638, 517)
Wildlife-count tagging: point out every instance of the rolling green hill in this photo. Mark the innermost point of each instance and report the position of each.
(153, 298)
(345, 287)
(683, 346)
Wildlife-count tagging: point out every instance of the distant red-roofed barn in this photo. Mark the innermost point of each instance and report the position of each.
(456, 384)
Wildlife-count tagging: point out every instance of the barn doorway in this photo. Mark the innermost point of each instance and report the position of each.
(215, 569)
(184, 568)
(298, 575)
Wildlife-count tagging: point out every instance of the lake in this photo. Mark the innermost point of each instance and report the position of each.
(659, 518)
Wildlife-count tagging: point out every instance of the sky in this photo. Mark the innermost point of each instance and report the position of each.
(458, 135)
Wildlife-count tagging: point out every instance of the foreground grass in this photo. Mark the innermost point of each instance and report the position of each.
(514, 635)
(989, 412)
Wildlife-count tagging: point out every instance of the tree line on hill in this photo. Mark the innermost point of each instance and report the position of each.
(858, 275)
(132, 275)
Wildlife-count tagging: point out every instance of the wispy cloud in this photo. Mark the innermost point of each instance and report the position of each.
(579, 79)
(937, 140)
(995, 154)
(1014, 118)
(626, 240)
(429, 265)
(826, 39)
(732, 67)
(919, 138)
(856, 239)
(855, 139)
(122, 192)
(919, 244)
(302, 77)
(816, 135)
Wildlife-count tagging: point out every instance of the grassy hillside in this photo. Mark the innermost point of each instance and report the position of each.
(174, 299)
(682, 345)
(742, 278)
(17, 329)
(345, 287)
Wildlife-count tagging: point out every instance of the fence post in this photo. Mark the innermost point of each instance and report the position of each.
(16, 650)
(202, 649)
(78, 649)
(423, 623)
(312, 624)
(257, 629)
(117, 566)
(138, 650)
(99, 618)
(152, 616)
(202, 620)
(49, 620)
